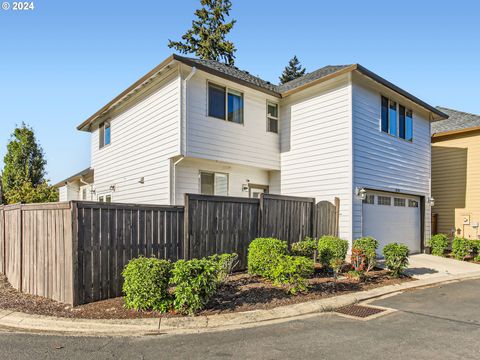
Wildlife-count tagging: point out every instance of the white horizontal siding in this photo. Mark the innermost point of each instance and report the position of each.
(215, 139)
(145, 135)
(316, 146)
(385, 162)
(188, 170)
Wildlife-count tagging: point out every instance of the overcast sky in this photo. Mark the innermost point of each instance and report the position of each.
(65, 59)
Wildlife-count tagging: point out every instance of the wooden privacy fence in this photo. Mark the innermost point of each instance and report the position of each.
(75, 252)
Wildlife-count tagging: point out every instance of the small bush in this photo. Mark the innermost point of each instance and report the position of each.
(226, 264)
(396, 258)
(438, 243)
(263, 253)
(358, 260)
(331, 249)
(461, 248)
(306, 248)
(195, 283)
(368, 246)
(146, 284)
(292, 272)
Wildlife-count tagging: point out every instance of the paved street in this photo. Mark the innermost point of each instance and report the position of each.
(435, 323)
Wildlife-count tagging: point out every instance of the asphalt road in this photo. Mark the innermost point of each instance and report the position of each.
(435, 323)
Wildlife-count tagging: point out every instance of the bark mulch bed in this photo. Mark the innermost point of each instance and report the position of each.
(242, 292)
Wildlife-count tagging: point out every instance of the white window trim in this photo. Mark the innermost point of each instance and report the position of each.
(103, 123)
(214, 181)
(227, 88)
(269, 102)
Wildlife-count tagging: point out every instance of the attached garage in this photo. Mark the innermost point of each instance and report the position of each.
(390, 217)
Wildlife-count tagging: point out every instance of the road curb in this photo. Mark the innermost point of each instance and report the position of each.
(160, 326)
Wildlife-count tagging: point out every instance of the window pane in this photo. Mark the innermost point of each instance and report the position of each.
(399, 202)
(384, 114)
(206, 183)
(392, 116)
(101, 136)
(409, 126)
(273, 125)
(100, 198)
(221, 184)
(108, 198)
(216, 101)
(369, 199)
(401, 121)
(235, 107)
(107, 134)
(384, 200)
(84, 194)
(272, 110)
(412, 203)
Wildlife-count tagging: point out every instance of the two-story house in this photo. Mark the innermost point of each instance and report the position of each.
(197, 126)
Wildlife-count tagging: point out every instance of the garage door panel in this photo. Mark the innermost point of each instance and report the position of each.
(390, 223)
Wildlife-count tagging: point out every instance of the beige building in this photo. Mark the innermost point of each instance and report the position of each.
(456, 174)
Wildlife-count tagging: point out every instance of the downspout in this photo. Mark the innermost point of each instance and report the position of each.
(183, 131)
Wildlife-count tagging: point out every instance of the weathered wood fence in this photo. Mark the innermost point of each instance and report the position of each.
(74, 252)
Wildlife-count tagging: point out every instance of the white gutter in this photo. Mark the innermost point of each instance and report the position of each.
(173, 200)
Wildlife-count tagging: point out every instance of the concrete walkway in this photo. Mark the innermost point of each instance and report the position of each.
(423, 266)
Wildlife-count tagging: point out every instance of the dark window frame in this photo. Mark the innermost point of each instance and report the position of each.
(226, 92)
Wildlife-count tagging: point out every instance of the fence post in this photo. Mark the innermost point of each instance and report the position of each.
(186, 230)
(259, 216)
(314, 219)
(337, 215)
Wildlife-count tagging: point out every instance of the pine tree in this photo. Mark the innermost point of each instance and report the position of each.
(23, 175)
(292, 71)
(206, 38)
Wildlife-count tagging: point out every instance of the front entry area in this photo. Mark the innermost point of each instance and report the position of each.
(391, 217)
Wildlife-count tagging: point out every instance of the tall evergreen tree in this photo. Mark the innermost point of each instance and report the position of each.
(206, 38)
(292, 71)
(23, 175)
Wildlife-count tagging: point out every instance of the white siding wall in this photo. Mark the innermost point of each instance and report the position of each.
(316, 146)
(145, 135)
(68, 192)
(385, 162)
(215, 139)
(188, 170)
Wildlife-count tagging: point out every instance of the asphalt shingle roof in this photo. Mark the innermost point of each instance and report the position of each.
(457, 120)
(256, 81)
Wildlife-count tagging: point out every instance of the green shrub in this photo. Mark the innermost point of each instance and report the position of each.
(292, 272)
(331, 249)
(195, 283)
(368, 246)
(146, 284)
(226, 264)
(306, 248)
(396, 258)
(263, 253)
(438, 243)
(461, 248)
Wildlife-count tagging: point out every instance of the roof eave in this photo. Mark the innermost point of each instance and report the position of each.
(455, 132)
(438, 115)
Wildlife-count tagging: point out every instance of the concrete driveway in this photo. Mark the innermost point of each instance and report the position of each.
(424, 266)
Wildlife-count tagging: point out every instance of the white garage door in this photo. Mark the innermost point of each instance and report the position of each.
(392, 218)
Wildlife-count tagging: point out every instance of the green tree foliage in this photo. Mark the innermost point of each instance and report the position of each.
(207, 37)
(23, 176)
(292, 71)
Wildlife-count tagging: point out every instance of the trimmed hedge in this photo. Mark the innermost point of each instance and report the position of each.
(306, 248)
(367, 246)
(461, 248)
(439, 244)
(263, 254)
(195, 283)
(292, 272)
(146, 284)
(332, 250)
(396, 258)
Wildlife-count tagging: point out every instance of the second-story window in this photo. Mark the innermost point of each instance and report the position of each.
(104, 134)
(225, 104)
(272, 117)
(400, 125)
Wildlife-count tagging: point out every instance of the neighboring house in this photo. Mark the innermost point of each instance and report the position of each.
(456, 173)
(198, 126)
(77, 187)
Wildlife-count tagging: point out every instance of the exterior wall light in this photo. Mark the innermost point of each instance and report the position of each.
(361, 193)
(431, 201)
(112, 187)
